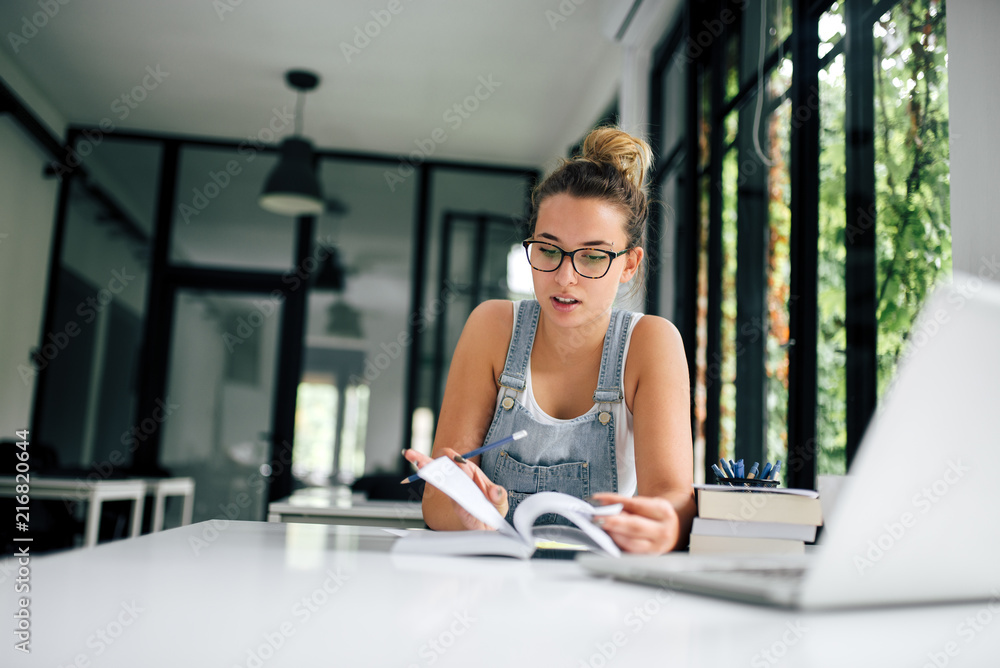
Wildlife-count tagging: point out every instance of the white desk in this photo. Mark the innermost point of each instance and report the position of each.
(324, 505)
(94, 493)
(268, 595)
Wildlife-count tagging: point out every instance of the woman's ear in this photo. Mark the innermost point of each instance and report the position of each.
(632, 262)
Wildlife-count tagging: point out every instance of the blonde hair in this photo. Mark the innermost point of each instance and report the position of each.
(612, 167)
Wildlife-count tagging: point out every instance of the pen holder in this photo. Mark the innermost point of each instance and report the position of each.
(745, 482)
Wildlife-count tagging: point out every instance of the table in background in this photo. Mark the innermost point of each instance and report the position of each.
(329, 505)
(162, 488)
(310, 594)
(95, 492)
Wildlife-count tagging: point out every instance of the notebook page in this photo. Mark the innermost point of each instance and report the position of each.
(577, 511)
(444, 474)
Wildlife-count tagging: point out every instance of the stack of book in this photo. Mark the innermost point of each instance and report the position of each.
(756, 520)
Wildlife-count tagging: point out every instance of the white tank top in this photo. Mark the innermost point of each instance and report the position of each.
(624, 441)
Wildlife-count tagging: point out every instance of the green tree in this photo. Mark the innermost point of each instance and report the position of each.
(912, 169)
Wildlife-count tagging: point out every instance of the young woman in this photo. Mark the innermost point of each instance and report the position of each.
(602, 393)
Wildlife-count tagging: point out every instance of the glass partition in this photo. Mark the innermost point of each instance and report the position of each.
(220, 391)
(475, 220)
(217, 221)
(352, 396)
(86, 408)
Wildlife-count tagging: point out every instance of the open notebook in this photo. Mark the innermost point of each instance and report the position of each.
(520, 540)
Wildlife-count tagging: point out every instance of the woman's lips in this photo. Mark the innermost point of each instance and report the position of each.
(564, 303)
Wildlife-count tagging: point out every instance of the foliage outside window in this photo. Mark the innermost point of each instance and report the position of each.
(913, 246)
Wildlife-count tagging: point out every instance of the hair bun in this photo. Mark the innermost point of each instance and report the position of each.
(630, 155)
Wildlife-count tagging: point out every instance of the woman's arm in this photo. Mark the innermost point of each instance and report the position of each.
(659, 518)
(467, 410)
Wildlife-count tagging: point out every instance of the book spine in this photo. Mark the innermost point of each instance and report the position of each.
(730, 545)
(740, 529)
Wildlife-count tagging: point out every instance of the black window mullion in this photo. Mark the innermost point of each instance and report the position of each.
(654, 253)
(861, 282)
(417, 280)
(441, 330)
(687, 245)
(713, 352)
(654, 229)
(753, 236)
(155, 357)
(479, 260)
(289, 370)
(804, 240)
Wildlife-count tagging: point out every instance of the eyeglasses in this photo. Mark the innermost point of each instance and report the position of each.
(588, 262)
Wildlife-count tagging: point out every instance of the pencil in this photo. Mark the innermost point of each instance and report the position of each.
(478, 451)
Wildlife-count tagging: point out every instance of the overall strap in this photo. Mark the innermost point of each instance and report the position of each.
(609, 388)
(519, 353)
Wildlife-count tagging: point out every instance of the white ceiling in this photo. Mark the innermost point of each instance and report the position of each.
(555, 65)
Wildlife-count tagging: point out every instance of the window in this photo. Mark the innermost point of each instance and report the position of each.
(785, 194)
(911, 169)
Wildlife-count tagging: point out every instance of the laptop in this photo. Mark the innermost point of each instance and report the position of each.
(918, 518)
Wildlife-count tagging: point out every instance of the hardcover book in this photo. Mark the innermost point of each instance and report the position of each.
(755, 504)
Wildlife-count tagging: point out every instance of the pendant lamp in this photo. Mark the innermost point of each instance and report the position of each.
(293, 189)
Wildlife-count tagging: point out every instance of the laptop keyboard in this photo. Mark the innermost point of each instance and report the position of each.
(774, 574)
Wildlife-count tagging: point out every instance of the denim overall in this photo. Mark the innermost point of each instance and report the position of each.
(577, 456)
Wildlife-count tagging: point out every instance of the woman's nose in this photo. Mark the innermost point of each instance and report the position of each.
(566, 274)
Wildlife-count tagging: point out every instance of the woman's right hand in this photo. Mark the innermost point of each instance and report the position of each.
(496, 494)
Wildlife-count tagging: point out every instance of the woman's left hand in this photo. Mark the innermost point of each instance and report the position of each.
(647, 524)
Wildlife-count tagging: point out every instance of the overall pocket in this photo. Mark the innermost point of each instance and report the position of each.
(521, 480)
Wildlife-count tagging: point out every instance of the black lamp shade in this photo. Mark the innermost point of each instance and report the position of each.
(344, 320)
(292, 189)
(331, 273)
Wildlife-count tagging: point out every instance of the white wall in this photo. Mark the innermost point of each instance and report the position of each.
(973, 63)
(27, 218)
(26, 223)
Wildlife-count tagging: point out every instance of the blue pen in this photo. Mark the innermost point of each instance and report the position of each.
(718, 471)
(766, 471)
(739, 468)
(753, 470)
(774, 471)
(727, 469)
(478, 451)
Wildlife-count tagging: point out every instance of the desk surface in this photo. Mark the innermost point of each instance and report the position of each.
(229, 594)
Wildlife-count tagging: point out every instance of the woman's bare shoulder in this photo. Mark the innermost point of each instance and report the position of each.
(493, 319)
(656, 359)
(653, 332)
(656, 345)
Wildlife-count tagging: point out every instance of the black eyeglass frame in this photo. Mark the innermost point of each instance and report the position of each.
(572, 260)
